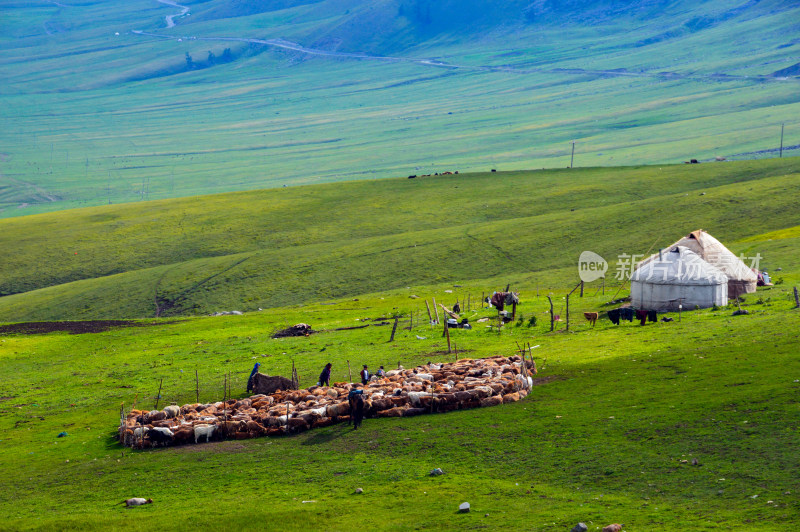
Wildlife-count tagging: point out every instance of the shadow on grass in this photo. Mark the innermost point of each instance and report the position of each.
(327, 436)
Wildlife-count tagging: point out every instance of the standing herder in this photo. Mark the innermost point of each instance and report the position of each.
(325, 376)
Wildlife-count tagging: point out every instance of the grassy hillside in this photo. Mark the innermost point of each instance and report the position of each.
(279, 247)
(607, 435)
(91, 117)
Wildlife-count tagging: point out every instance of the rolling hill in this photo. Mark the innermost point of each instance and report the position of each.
(249, 95)
(249, 250)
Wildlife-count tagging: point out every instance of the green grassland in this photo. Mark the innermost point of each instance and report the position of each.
(600, 439)
(285, 246)
(608, 433)
(91, 118)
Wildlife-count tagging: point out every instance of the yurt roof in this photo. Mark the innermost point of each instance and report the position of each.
(679, 266)
(715, 253)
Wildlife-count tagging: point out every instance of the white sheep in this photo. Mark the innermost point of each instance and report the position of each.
(172, 411)
(416, 397)
(203, 430)
(136, 501)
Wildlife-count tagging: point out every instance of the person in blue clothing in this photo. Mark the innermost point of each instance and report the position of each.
(325, 376)
(250, 378)
(381, 373)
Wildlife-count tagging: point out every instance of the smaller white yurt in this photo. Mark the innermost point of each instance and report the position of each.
(678, 277)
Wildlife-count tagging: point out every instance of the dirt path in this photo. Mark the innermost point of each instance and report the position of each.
(171, 18)
(620, 72)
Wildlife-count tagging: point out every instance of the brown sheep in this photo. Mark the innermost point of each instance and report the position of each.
(591, 317)
(612, 528)
(492, 401)
(511, 397)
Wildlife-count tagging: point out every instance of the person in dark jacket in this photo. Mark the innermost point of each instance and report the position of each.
(325, 376)
(365, 375)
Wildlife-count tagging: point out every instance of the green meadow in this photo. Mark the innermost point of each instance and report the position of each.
(608, 434)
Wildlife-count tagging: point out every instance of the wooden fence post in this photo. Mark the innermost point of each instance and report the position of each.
(430, 318)
(350, 373)
(394, 329)
(436, 309)
(196, 386)
(552, 317)
(570, 293)
(158, 397)
(796, 298)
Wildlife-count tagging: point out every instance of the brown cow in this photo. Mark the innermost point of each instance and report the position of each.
(591, 317)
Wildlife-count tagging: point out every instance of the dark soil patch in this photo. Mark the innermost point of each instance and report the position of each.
(452, 353)
(74, 327)
(537, 381)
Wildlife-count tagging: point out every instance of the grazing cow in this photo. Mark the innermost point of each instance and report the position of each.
(412, 176)
(356, 409)
(591, 317)
(136, 501)
(264, 384)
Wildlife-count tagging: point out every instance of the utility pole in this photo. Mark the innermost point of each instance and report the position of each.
(572, 157)
(780, 153)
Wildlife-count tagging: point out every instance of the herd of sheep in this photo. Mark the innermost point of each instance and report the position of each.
(426, 389)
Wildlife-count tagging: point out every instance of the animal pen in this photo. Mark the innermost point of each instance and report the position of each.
(431, 388)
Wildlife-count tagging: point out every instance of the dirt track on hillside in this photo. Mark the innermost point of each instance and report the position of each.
(73, 327)
(620, 72)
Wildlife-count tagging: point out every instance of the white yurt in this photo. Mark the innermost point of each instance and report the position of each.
(741, 279)
(678, 277)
